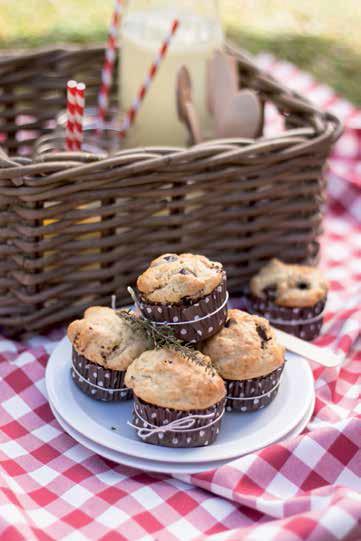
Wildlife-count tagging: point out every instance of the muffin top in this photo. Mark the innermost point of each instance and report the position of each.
(245, 348)
(289, 285)
(170, 379)
(171, 278)
(107, 339)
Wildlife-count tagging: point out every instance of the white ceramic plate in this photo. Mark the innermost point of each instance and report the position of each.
(162, 467)
(240, 433)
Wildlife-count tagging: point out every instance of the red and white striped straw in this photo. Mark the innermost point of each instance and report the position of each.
(79, 115)
(133, 110)
(75, 114)
(109, 60)
(70, 111)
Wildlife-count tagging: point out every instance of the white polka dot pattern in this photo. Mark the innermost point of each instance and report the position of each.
(98, 382)
(252, 394)
(191, 322)
(152, 424)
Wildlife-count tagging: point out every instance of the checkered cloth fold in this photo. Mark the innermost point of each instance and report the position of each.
(304, 488)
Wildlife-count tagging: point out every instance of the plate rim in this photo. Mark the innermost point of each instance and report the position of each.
(162, 466)
(142, 450)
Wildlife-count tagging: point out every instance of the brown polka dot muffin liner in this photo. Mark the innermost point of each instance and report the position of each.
(191, 322)
(98, 382)
(253, 394)
(305, 323)
(174, 428)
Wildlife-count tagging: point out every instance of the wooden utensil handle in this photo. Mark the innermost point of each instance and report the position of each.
(193, 120)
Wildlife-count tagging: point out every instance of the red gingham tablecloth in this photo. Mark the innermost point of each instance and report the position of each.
(307, 487)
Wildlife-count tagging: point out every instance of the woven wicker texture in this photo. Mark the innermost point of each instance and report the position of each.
(76, 227)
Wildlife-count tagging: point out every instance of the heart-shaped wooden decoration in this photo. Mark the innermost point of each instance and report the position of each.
(237, 113)
(241, 116)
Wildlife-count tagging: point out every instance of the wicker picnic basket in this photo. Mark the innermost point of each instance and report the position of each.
(76, 227)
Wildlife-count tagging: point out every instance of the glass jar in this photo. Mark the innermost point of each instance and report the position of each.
(144, 28)
(97, 139)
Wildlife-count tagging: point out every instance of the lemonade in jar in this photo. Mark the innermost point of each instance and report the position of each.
(145, 24)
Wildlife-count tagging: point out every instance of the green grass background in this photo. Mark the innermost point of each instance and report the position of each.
(321, 36)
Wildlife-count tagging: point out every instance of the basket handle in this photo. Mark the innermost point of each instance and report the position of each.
(6, 162)
(286, 100)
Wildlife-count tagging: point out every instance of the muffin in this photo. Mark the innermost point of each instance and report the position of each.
(291, 297)
(247, 356)
(187, 292)
(104, 345)
(178, 399)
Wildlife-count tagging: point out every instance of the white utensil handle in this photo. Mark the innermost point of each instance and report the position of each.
(319, 355)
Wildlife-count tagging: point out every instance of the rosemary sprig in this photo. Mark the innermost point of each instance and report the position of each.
(163, 338)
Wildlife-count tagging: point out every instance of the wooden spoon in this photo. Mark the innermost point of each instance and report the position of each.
(185, 107)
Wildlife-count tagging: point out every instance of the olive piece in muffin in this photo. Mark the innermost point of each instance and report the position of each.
(248, 357)
(104, 345)
(187, 292)
(291, 297)
(178, 399)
